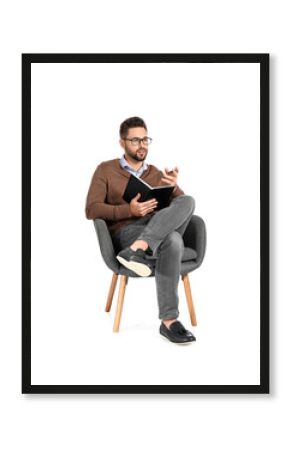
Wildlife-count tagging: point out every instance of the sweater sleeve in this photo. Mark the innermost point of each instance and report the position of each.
(96, 208)
(177, 192)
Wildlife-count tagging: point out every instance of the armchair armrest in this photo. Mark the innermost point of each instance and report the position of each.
(106, 245)
(195, 237)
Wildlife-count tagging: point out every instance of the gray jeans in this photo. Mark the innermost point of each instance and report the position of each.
(163, 232)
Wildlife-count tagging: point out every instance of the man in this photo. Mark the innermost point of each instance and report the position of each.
(140, 234)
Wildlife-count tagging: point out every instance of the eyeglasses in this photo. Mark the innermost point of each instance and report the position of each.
(136, 141)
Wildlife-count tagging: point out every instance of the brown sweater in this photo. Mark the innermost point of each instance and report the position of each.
(104, 199)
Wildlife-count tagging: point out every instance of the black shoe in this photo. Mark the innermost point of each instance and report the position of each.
(176, 333)
(135, 261)
(148, 252)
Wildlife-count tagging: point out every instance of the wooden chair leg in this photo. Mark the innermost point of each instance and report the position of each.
(185, 279)
(123, 282)
(111, 292)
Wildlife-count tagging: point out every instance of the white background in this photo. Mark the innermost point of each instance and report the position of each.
(205, 118)
(128, 421)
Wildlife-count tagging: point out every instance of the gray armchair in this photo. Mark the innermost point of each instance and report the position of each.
(194, 249)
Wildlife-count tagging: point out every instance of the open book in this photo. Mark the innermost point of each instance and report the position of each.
(136, 185)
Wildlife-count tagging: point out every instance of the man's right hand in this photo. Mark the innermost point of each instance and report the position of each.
(140, 209)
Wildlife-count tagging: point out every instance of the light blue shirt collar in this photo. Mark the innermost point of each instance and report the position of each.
(137, 173)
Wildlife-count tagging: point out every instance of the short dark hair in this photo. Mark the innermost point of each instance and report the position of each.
(132, 122)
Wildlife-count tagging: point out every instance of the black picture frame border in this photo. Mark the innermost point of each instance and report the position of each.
(264, 60)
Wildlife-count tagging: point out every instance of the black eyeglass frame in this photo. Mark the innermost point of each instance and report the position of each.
(137, 141)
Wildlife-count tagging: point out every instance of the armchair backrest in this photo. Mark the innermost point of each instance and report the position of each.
(106, 244)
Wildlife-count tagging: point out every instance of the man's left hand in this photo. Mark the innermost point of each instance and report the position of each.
(170, 176)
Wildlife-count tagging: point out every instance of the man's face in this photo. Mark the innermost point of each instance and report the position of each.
(135, 152)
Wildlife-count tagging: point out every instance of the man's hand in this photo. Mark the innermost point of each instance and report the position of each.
(170, 177)
(140, 209)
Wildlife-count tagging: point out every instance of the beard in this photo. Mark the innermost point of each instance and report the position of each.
(138, 155)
